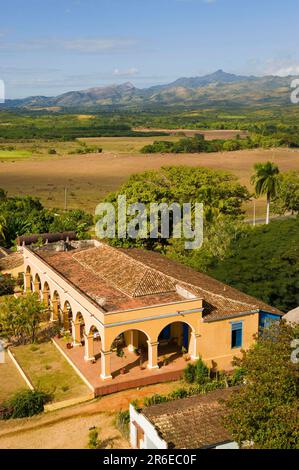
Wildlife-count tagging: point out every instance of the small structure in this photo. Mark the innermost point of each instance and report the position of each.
(25, 240)
(189, 423)
(10, 262)
(292, 316)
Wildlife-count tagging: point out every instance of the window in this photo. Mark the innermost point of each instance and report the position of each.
(236, 334)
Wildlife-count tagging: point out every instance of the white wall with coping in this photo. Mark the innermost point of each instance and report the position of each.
(152, 440)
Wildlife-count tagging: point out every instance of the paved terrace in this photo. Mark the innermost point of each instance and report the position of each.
(135, 376)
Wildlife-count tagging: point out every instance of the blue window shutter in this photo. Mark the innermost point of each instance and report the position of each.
(236, 334)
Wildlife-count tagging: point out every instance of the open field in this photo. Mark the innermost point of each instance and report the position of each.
(91, 177)
(10, 379)
(49, 371)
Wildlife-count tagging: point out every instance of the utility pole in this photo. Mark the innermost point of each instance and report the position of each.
(65, 199)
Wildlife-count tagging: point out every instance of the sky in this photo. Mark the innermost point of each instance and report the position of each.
(53, 46)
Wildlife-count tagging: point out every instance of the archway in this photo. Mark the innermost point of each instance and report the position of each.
(78, 329)
(37, 284)
(46, 294)
(174, 341)
(129, 350)
(93, 344)
(56, 307)
(28, 280)
(67, 315)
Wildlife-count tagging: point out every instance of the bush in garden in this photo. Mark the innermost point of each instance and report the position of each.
(189, 373)
(25, 403)
(197, 373)
(202, 373)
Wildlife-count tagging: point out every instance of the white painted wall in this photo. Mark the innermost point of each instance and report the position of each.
(152, 440)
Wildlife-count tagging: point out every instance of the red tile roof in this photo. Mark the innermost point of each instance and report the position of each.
(191, 423)
(120, 279)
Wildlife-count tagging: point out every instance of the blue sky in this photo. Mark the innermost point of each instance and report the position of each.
(49, 47)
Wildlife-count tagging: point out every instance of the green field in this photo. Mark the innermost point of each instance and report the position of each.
(14, 154)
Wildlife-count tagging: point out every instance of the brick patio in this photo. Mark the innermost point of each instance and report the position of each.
(135, 375)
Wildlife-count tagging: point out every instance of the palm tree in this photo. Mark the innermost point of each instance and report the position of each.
(266, 181)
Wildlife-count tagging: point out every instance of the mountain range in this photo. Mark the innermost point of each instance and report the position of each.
(216, 89)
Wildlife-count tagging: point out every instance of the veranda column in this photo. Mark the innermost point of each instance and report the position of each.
(76, 333)
(27, 279)
(153, 355)
(106, 365)
(194, 345)
(54, 310)
(89, 347)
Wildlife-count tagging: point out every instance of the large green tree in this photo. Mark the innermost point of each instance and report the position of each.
(264, 262)
(26, 215)
(287, 199)
(20, 317)
(266, 182)
(219, 191)
(264, 413)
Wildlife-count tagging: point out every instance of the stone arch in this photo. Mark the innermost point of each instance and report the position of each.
(37, 283)
(67, 316)
(78, 327)
(46, 294)
(125, 335)
(174, 339)
(56, 307)
(28, 279)
(92, 343)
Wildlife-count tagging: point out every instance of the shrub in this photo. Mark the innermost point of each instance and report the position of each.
(122, 422)
(52, 152)
(237, 376)
(202, 373)
(155, 400)
(93, 439)
(179, 393)
(189, 373)
(26, 403)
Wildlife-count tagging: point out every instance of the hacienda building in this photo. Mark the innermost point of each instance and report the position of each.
(151, 306)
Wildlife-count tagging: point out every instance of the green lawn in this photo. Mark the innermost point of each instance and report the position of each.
(13, 154)
(49, 371)
(10, 379)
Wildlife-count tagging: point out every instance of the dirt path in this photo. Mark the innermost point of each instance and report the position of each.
(68, 428)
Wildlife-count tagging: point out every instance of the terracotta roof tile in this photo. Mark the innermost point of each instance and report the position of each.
(119, 279)
(191, 423)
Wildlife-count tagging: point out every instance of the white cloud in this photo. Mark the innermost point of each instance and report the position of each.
(131, 72)
(286, 71)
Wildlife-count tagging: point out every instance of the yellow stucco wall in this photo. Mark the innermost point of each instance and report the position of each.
(215, 340)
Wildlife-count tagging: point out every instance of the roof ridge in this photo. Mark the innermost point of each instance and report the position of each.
(189, 284)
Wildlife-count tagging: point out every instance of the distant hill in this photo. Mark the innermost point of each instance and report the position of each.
(216, 89)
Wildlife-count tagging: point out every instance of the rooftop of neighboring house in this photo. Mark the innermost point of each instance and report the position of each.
(292, 316)
(121, 279)
(191, 423)
(10, 260)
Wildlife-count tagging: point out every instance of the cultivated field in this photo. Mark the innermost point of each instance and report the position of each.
(92, 176)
